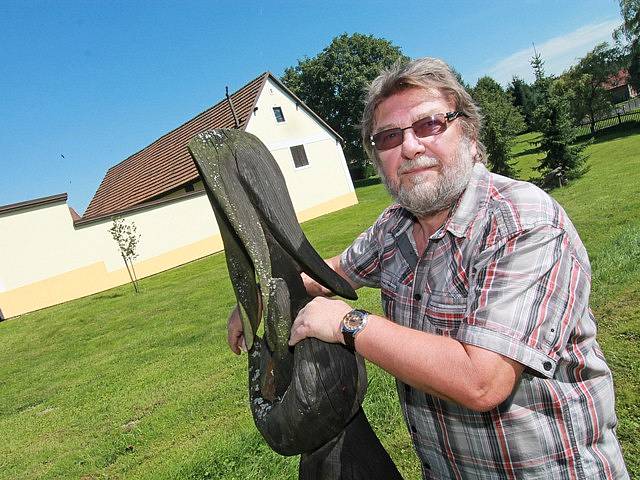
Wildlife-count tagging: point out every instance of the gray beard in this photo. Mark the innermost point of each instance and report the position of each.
(426, 198)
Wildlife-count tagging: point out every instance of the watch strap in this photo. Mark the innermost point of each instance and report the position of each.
(352, 324)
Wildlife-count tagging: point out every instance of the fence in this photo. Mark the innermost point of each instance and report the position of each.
(616, 119)
(629, 105)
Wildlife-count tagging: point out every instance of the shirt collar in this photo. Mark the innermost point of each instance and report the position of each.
(472, 199)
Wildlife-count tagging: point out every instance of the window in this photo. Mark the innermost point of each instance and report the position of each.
(277, 111)
(299, 156)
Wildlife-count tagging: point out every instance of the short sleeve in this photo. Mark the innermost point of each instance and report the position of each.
(526, 296)
(361, 260)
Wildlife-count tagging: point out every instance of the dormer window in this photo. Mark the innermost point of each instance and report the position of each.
(277, 111)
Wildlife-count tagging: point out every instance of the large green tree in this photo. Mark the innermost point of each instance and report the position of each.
(564, 160)
(630, 31)
(333, 84)
(502, 122)
(583, 83)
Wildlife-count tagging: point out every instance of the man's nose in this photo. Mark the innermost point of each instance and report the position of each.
(412, 146)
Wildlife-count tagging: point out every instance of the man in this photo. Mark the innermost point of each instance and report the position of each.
(485, 287)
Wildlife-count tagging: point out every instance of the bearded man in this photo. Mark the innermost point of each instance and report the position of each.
(485, 287)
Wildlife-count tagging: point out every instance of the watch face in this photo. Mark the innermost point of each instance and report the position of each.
(353, 320)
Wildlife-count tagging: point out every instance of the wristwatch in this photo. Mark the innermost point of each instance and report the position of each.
(352, 324)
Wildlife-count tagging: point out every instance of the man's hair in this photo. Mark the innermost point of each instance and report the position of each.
(429, 74)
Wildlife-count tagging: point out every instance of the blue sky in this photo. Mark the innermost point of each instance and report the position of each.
(85, 84)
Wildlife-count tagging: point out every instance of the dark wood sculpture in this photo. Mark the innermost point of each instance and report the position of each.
(304, 400)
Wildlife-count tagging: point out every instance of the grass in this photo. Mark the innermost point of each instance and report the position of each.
(119, 385)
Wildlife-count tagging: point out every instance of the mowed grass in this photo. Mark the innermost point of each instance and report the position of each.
(119, 385)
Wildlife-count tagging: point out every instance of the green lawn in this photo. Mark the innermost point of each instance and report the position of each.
(119, 385)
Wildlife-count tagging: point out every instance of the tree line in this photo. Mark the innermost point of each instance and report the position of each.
(333, 84)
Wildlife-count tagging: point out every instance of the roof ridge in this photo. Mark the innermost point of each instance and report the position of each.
(121, 181)
(264, 74)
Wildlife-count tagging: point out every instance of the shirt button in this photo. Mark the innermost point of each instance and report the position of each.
(417, 297)
(413, 429)
(547, 366)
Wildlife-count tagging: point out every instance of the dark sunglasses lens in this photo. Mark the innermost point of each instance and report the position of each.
(425, 127)
(429, 126)
(388, 139)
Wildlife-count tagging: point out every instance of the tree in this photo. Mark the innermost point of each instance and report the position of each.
(540, 86)
(333, 84)
(502, 122)
(126, 236)
(564, 160)
(523, 97)
(630, 31)
(583, 83)
(537, 63)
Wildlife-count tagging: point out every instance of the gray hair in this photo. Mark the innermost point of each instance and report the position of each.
(429, 74)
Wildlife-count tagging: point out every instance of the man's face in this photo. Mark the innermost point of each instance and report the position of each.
(425, 175)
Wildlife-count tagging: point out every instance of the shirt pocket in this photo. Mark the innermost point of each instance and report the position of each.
(395, 293)
(443, 314)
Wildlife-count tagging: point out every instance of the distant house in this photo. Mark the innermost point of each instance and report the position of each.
(49, 255)
(619, 87)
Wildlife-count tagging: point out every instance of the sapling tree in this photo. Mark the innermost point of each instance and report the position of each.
(127, 237)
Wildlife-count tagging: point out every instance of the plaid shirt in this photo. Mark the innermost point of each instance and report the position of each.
(506, 272)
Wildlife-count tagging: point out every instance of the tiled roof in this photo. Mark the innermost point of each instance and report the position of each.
(166, 164)
(616, 80)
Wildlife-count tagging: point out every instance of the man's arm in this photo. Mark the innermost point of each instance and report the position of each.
(235, 335)
(316, 290)
(470, 376)
(536, 267)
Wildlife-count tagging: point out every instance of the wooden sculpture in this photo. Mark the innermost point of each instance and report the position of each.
(304, 400)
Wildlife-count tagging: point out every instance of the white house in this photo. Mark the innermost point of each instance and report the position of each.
(48, 255)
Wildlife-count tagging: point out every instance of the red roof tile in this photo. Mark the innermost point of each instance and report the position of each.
(166, 164)
(616, 80)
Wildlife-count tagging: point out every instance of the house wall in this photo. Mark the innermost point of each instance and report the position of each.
(45, 259)
(326, 179)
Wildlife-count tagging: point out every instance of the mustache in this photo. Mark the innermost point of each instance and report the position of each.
(420, 162)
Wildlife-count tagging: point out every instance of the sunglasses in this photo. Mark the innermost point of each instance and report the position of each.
(425, 127)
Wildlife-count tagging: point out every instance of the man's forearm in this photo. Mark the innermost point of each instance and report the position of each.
(334, 263)
(441, 366)
(316, 290)
(470, 376)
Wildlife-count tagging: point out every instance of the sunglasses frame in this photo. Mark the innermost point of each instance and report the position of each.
(448, 117)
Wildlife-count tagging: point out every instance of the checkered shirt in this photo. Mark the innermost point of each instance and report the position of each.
(506, 272)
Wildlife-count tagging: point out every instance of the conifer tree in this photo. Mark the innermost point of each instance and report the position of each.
(502, 122)
(564, 160)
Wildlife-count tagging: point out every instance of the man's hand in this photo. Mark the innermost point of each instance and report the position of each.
(235, 337)
(320, 318)
(314, 289)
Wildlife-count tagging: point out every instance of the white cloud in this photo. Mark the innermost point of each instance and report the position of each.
(558, 53)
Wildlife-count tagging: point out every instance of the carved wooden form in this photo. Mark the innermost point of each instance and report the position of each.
(305, 400)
